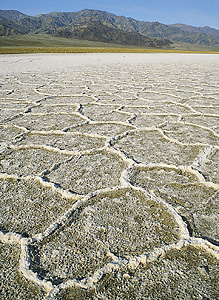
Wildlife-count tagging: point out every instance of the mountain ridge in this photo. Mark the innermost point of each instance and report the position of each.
(204, 29)
(12, 14)
(14, 22)
(95, 31)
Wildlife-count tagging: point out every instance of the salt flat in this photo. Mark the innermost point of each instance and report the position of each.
(109, 176)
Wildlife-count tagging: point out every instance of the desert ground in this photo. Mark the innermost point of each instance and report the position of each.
(109, 176)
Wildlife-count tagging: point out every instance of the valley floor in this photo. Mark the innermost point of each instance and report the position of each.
(109, 176)
(44, 43)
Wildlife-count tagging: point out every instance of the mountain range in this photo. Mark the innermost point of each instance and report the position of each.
(101, 26)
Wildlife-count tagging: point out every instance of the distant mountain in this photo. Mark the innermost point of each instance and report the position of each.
(95, 31)
(12, 14)
(9, 27)
(70, 24)
(206, 29)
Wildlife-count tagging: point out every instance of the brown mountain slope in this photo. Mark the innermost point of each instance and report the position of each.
(95, 31)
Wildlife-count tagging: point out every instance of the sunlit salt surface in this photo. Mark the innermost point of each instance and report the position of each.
(109, 182)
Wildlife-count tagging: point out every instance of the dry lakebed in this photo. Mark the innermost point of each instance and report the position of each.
(109, 183)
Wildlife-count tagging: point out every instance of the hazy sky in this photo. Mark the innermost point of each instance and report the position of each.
(190, 12)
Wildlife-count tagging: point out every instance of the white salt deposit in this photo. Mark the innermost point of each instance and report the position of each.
(109, 177)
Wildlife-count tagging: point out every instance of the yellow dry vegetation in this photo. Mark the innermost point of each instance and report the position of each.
(13, 50)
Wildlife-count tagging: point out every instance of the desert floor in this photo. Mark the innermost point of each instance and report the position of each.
(109, 176)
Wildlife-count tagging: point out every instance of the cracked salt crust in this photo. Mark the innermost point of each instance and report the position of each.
(150, 146)
(74, 142)
(109, 176)
(13, 284)
(27, 207)
(51, 121)
(195, 202)
(124, 222)
(78, 176)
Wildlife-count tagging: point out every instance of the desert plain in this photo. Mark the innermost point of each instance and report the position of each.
(109, 176)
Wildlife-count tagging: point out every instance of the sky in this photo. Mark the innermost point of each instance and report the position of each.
(190, 12)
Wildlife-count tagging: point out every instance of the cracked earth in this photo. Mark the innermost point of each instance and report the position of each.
(109, 176)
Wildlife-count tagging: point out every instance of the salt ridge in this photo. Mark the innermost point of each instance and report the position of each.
(129, 162)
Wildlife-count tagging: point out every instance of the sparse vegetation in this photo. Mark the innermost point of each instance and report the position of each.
(14, 50)
(45, 43)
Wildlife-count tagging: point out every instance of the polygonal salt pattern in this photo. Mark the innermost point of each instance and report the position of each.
(196, 203)
(63, 141)
(200, 100)
(202, 120)
(104, 113)
(146, 120)
(174, 108)
(210, 167)
(13, 105)
(58, 121)
(146, 109)
(94, 111)
(7, 114)
(22, 93)
(114, 117)
(149, 146)
(64, 100)
(190, 134)
(117, 100)
(65, 89)
(9, 133)
(29, 161)
(208, 110)
(89, 172)
(48, 109)
(13, 285)
(189, 273)
(106, 129)
(109, 176)
(28, 207)
(122, 222)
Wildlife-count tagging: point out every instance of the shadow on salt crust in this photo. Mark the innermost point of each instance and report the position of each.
(12, 284)
(8, 133)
